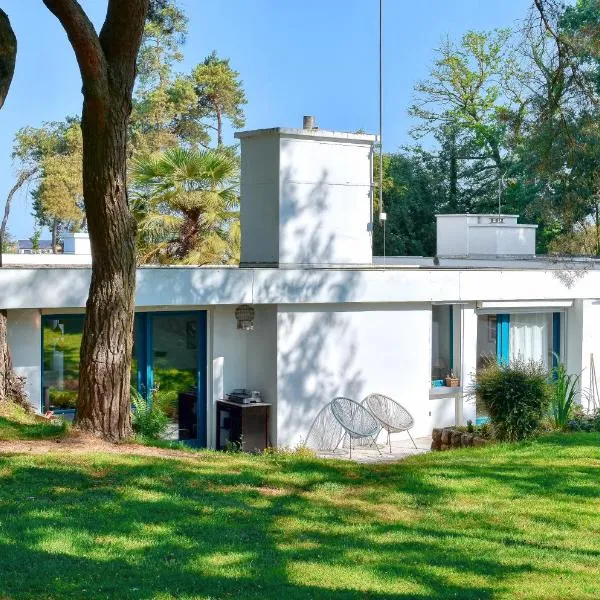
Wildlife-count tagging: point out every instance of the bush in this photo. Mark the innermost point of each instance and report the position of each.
(516, 397)
(564, 393)
(148, 420)
(584, 421)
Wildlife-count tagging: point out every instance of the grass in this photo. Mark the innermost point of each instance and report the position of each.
(519, 521)
(16, 424)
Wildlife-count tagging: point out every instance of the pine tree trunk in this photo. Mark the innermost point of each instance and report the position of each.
(4, 357)
(11, 387)
(54, 236)
(103, 402)
(107, 65)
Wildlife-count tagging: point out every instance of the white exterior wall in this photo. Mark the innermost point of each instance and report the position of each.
(583, 339)
(337, 350)
(468, 339)
(484, 235)
(241, 359)
(325, 202)
(259, 206)
(305, 197)
(77, 243)
(261, 359)
(25, 342)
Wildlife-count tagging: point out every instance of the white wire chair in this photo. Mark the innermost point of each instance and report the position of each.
(356, 420)
(392, 417)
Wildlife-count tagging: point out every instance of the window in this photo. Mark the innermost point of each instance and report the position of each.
(442, 341)
(61, 337)
(168, 366)
(519, 336)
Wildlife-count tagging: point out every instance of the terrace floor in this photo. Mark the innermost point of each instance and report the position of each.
(402, 448)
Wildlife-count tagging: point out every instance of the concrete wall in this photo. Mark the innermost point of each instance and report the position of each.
(325, 202)
(240, 359)
(305, 197)
(25, 342)
(174, 287)
(261, 360)
(259, 206)
(77, 243)
(484, 235)
(334, 350)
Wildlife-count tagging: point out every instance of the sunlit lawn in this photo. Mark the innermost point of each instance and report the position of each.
(498, 522)
(16, 424)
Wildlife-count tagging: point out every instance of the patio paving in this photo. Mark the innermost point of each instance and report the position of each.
(401, 449)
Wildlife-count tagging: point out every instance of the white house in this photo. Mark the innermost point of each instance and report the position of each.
(329, 319)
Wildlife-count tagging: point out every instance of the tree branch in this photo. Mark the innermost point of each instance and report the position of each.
(122, 31)
(85, 42)
(8, 55)
(23, 177)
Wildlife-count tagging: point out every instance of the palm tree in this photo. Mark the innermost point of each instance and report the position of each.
(187, 207)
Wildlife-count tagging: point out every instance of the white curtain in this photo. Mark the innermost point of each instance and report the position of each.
(529, 337)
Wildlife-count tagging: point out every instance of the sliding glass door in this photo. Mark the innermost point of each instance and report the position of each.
(175, 372)
(168, 367)
(171, 370)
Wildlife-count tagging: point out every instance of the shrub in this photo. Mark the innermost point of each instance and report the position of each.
(148, 419)
(564, 393)
(516, 397)
(584, 421)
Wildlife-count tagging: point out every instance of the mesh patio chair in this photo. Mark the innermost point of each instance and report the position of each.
(356, 420)
(393, 417)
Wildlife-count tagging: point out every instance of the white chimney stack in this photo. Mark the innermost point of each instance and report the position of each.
(76, 243)
(484, 236)
(305, 196)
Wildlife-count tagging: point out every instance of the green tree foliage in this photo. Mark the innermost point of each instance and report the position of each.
(411, 196)
(512, 120)
(220, 94)
(177, 109)
(52, 154)
(186, 206)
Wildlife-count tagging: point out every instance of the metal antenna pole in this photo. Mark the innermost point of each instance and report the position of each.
(382, 215)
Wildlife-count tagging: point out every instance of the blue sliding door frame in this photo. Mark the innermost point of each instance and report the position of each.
(555, 339)
(145, 362)
(502, 338)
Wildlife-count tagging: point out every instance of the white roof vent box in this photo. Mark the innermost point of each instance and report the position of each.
(488, 235)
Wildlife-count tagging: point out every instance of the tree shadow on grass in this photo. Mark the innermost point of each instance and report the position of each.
(240, 527)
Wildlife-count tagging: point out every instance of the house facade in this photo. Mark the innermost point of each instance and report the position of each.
(328, 318)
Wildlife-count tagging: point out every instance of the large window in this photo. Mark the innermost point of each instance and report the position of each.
(168, 366)
(519, 336)
(441, 342)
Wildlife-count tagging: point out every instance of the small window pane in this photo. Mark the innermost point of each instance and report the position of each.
(441, 351)
(62, 342)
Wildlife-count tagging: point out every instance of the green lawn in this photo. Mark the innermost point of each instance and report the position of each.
(499, 522)
(16, 424)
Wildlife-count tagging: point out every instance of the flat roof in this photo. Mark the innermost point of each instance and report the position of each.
(323, 134)
(503, 263)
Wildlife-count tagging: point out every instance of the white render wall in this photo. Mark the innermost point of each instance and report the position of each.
(241, 359)
(340, 350)
(305, 197)
(484, 235)
(25, 343)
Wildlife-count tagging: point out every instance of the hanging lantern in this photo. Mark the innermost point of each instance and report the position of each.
(244, 315)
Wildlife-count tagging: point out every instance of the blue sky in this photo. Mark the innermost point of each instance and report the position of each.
(295, 57)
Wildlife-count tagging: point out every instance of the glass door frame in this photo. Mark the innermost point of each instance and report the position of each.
(145, 363)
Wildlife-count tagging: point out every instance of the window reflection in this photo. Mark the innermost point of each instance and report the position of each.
(61, 343)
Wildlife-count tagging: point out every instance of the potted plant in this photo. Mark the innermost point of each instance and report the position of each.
(452, 380)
